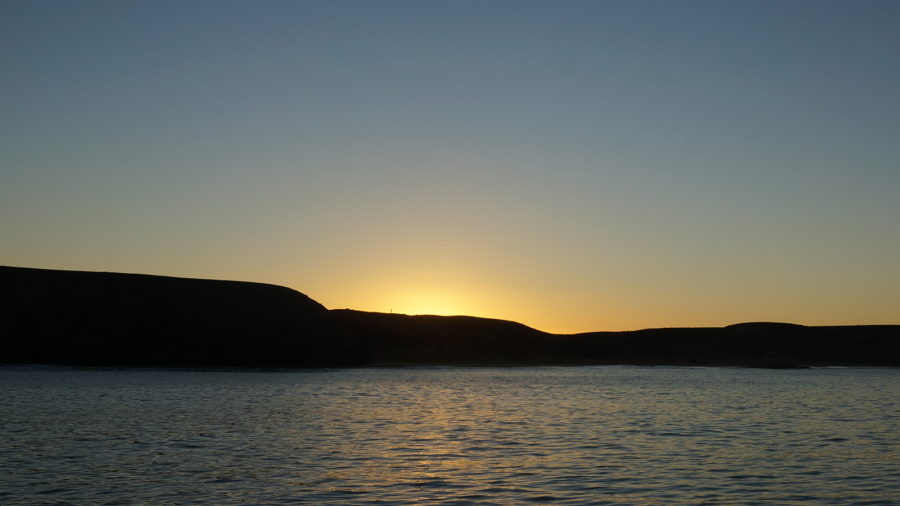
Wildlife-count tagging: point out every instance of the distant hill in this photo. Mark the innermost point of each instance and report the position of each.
(402, 339)
(747, 344)
(466, 340)
(93, 318)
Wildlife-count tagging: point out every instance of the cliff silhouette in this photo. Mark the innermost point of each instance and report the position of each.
(110, 319)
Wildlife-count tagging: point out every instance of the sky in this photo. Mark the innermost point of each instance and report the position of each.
(573, 166)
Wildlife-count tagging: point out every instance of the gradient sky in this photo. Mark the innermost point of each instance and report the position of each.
(573, 166)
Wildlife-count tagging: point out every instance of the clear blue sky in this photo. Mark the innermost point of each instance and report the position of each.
(573, 166)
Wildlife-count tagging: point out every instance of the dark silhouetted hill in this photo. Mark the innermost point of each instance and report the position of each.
(464, 340)
(91, 318)
(95, 318)
(745, 344)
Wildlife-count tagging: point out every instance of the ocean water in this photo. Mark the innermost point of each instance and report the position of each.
(580, 435)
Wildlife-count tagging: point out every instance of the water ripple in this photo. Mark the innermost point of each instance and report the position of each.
(594, 435)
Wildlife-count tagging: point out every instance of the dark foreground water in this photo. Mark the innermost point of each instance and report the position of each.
(597, 435)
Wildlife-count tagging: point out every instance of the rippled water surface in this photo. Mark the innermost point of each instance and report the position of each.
(598, 435)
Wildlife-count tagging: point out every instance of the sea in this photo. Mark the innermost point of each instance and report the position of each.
(447, 435)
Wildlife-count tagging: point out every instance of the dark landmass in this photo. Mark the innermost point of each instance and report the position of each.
(464, 340)
(107, 319)
(98, 318)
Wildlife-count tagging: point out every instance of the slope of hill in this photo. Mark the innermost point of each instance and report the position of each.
(462, 340)
(94, 318)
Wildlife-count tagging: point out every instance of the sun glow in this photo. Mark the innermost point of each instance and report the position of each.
(436, 302)
(409, 287)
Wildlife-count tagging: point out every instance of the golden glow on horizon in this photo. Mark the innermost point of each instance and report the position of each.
(617, 305)
(433, 294)
(431, 301)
